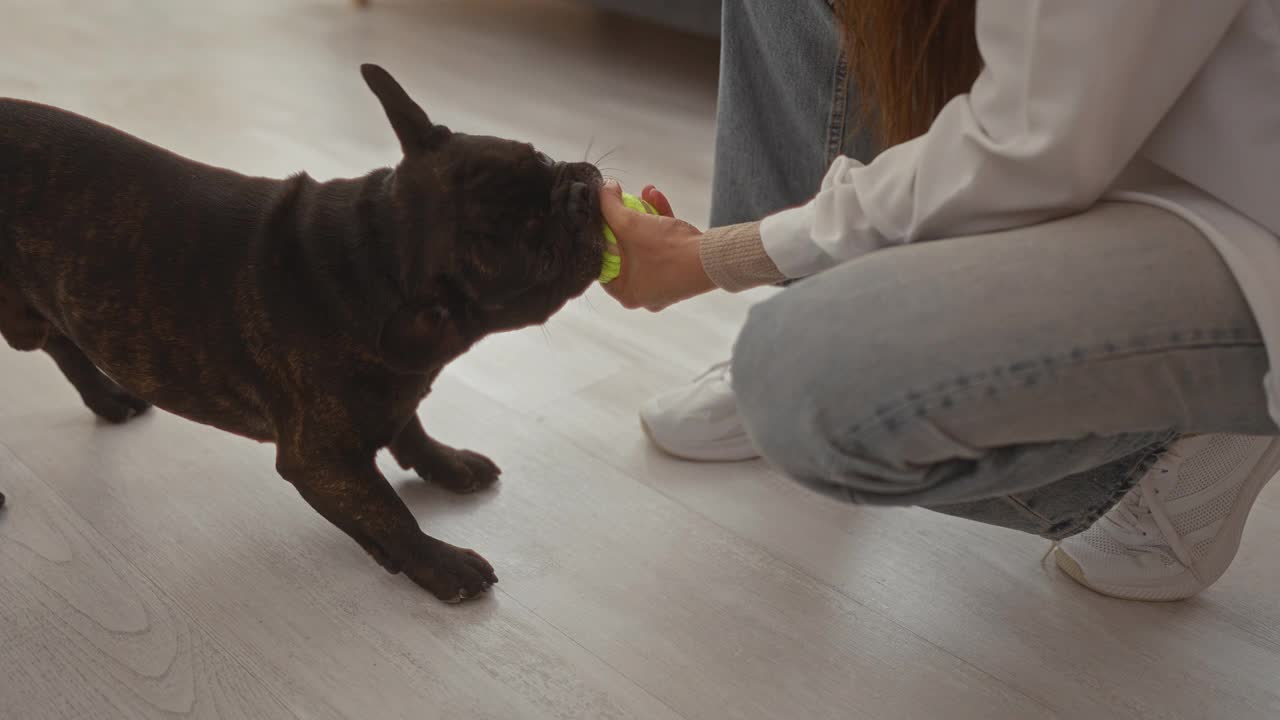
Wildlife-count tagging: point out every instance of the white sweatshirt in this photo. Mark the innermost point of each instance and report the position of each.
(1174, 103)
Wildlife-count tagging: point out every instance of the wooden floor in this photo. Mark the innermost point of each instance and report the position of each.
(164, 570)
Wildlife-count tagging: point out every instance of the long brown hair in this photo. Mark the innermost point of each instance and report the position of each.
(907, 59)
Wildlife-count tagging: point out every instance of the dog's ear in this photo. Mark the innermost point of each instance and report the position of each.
(422, 339)
(413, 127)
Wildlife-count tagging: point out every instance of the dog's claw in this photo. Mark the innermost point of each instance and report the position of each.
(464, 594)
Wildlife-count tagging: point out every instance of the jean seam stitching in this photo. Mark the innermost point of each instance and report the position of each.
(837, 119)
(1085, 521)
(966, 383)
(1027, 508)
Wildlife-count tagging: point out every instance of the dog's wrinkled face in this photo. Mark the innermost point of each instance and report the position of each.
(522, 232)
(491, 231)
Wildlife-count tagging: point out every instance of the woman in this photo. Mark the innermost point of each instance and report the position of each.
(1047, 305)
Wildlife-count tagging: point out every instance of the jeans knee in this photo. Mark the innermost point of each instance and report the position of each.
(827, 416)
(761, 384)
(778, 387)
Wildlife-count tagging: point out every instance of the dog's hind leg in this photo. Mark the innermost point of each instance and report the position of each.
(20, 325)
(26, 329)
(100, 393)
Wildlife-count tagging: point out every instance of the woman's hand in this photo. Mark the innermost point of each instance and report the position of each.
(660, 261)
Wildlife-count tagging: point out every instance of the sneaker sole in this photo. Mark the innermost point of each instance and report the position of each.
(1215, 563)
(690, 457)
(1180, 587)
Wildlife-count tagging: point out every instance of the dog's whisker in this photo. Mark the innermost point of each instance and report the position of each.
(606, 156)
(590, 143)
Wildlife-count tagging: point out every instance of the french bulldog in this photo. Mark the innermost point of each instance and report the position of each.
(312, 315)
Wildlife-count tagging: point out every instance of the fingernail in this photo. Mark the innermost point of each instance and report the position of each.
(611, 183)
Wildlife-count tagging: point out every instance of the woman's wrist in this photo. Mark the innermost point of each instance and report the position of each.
(734, 259)
(698, 281)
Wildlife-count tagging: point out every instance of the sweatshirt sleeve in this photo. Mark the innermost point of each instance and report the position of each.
(735, 260)
(1070, 92)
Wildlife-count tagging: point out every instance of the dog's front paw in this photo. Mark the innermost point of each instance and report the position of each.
(115, 405)
(462, 471)
(452, 574)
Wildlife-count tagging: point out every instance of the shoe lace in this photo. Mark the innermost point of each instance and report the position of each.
(720, 368)
(1133, 514)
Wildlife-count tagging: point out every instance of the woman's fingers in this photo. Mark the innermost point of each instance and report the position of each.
(615, 213)
(661, 262)
(659, 201)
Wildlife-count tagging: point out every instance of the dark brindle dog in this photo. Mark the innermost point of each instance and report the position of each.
(311, 315)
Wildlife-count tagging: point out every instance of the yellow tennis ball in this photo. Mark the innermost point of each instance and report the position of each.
(612, 261)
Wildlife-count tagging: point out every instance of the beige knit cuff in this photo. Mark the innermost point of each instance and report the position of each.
(735, 260)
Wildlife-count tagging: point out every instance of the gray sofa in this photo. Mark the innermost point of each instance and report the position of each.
(696, 16)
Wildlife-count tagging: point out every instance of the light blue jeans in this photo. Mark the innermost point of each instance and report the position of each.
(1025, 379)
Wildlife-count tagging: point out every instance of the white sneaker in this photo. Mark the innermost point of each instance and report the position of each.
(699, 421)
(1178, 529)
